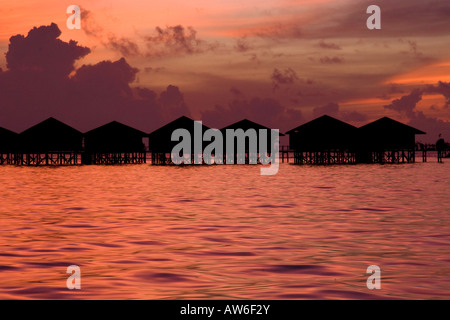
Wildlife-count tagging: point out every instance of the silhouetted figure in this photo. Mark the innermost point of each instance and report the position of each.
(440, 144)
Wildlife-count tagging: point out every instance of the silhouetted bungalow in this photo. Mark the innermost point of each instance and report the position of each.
(251, 141)
(161, 144)
(114, 143)
(324, 140)
(50, 142)
(387, 140)
(8, 146)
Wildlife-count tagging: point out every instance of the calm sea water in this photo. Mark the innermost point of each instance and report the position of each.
(225, 232)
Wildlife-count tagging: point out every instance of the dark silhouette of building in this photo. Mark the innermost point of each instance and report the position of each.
(161, 144)
(387, 141)
(324, 140)
(9, 146)
(114, 143)
(252, 136)
(51, 135)
(50, 142)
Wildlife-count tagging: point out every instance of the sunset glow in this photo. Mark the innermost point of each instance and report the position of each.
(302, 55)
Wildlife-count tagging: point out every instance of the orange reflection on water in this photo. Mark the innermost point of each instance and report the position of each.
(225, 232)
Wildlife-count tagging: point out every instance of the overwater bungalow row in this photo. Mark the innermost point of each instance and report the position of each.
(324, 140)
(49, 142)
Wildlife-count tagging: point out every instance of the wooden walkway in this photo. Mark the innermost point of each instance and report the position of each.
(286, 155)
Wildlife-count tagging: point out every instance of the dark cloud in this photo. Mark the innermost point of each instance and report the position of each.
(168, 41)
(175, 40)
(406, 106)
(41, 81)
(442, 88)
(414, 52)
(407, 103)
(154, 69)
(332, 109)
(236, 92)
(266, 111)
(329, 45)
(50, 54)
(393, 89)
(287, 76)
(242, 45)
(278, 31)
(89, 26)
(125, 46)
(172, 100)
(331, 60)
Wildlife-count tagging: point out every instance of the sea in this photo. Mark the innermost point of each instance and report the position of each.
(225, 232)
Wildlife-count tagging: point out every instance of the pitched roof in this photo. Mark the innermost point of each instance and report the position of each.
(114, 128)
(182, 122)
(324, 123)
(50, 126)
(246, 124)
(7, 133)
(8, 140)
(387, 124)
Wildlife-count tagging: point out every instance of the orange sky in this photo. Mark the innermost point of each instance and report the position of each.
(242, 44)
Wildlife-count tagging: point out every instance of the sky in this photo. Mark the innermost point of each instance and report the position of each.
(277, 62)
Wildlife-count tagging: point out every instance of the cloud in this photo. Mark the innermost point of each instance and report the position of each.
(347, 19)
(393, 89)
(90, 26)
(277, 31)
(332, 109)
(329, 45)
(331, 60)
(168, 41)
(407, 104)
(172, 99)
(266, 111)
(49, 54)
(442, 88)
(242, 45)
(175, 40)
(287, 76)
(31, 90)
(125, 46)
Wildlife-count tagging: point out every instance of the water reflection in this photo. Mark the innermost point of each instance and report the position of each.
(225, 232)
